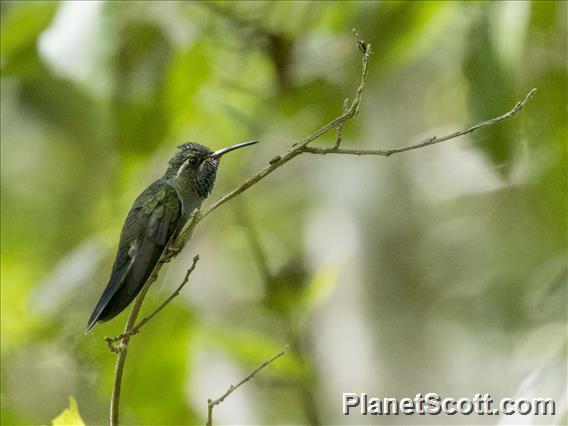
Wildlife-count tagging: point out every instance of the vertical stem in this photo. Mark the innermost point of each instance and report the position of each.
(121, 356)
(308, 382)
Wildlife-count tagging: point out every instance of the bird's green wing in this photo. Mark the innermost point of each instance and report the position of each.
(152, 221)
(163, 208)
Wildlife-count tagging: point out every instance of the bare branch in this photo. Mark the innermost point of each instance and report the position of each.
(211, 403)
(251, 233)
(339, 129)
(121, 351)
(137, 327)
(427, 142)
(176, 293)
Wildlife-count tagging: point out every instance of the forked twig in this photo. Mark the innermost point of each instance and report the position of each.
(427, 142)
(211, 403)
(136, 329)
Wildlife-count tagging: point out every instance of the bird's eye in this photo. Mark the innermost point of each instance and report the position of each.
(193, 161)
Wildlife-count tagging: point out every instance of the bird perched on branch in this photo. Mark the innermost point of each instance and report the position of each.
(156, 217)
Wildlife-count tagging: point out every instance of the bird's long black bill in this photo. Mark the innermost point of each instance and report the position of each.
(223, 151)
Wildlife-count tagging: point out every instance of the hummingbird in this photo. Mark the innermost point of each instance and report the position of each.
(156, 217)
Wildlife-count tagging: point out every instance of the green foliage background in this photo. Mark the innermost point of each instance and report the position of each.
(440, 270)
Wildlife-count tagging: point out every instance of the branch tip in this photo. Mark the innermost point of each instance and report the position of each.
(363, 47)
(213, 402)
(336, 149)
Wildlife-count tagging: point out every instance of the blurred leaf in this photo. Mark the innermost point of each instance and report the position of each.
(285, 19)
(320, 288)
(70, 416)
(546, 377)
(509, 30)
(61, 103)
(22, 23)
(284, 288)
(141, 66)
(251, 349)
(545, 15)
(318, 93)
(399, 30)
(547, 124)
(159, 362)
(337, 16)
(187, 73)
(74, 140)
(491, 93)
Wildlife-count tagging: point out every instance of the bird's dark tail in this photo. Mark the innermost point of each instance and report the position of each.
(110, 305)
(129, 275)
(120, 271)
(111, 308)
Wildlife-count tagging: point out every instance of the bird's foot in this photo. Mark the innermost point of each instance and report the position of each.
(110, 341)
(170, 253)
(121, 347)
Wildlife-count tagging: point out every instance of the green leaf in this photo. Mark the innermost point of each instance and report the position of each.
(21, 27)
(320, 288)
(156, 361)
(491, 93)
(142, 61)
(70, 416)
(406, 30)
(187, 73)
(250, 348)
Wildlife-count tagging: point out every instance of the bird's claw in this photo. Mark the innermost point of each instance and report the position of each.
(121, 347)
(170, 253)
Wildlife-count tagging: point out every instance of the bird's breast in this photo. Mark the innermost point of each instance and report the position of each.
(187, 207)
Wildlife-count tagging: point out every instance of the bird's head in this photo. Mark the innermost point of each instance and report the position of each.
(197, 164)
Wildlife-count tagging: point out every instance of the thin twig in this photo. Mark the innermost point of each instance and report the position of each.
(427, 142)
(121, 355)
(137, 327)
(254, 240)
(176, 293)
(339, 129)
(211, 403)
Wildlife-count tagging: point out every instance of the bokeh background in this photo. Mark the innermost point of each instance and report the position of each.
(439, 270)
